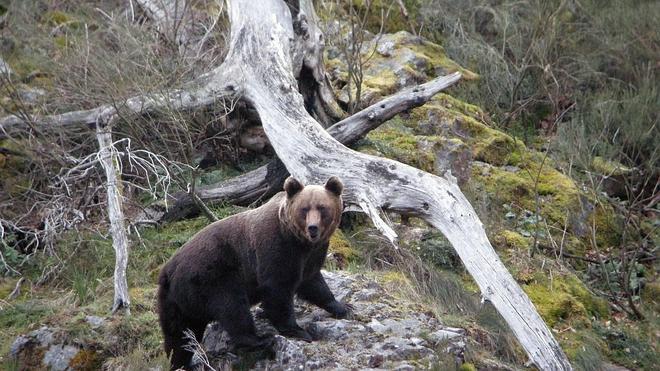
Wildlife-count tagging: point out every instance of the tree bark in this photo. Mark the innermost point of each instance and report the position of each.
(109, 162)
(308, 66)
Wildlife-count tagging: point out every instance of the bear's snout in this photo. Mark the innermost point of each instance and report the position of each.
(313, 231)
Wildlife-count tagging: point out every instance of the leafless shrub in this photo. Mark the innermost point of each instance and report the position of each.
(351, 37)
(199, 354)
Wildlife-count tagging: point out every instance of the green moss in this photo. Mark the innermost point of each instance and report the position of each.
(494, 149)
(564, 299)
(607, 225)
(555, 306)
(467, 367)
(511, 239)
(58, 18)
(438, 60)
(384, 82)
(449, 102)
(341, 247)
(86, 360)
(608, 167)
(393, 141)
(559, 194)
(409, 59)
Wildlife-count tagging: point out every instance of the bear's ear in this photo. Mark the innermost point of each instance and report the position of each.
(334, 185)
(292, 186)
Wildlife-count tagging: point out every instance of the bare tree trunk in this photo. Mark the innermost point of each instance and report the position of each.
(109, 162)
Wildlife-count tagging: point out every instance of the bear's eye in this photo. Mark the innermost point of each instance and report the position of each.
(321, 208)
(305, 210)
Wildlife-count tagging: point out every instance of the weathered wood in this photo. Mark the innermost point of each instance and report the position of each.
(261, 31)
(205, 91)
(109, 162)
(308, 64)
(265, 181)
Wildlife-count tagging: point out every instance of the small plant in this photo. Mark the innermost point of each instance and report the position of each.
(351, 38)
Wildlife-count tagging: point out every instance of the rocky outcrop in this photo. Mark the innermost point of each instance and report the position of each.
(47, 348)
(385, 333)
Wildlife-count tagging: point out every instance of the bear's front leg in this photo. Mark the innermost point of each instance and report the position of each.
(316, 291)
(278, 308)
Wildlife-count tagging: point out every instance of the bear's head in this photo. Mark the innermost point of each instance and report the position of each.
(312, 213)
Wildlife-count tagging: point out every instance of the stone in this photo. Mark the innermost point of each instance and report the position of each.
(397, 349)
(95, 321)
(58, 356)
(288, 352)
(442, 335)
(366, 295)
(4, 68)
(385, 48)
(18, 345)
(31, 96)
(384, 334)
(377, 326)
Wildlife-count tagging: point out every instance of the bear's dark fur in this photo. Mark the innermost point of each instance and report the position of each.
(264, 255)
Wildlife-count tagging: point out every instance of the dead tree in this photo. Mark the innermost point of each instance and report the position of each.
(275, 45)
(108, 159)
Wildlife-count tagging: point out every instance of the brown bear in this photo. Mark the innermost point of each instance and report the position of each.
(265, 255)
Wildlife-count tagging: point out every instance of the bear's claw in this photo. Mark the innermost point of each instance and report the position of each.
(297, 333)
(341, 310)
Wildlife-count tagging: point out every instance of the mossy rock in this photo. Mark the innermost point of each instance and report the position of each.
(392, 62)
(395, 141)
(511, 239)
(558, 195)
(564, 299)
(86, 360)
